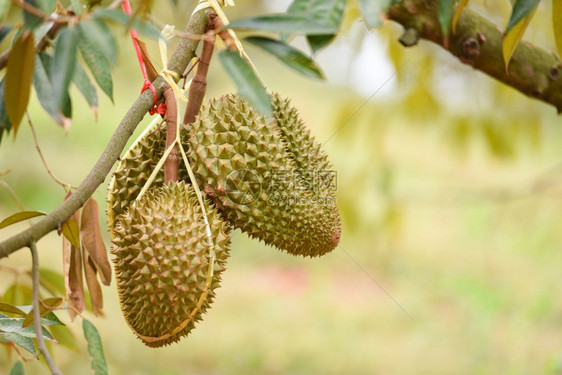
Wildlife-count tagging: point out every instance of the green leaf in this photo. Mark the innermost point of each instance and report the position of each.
(325, 12)
(19, 75)
(95, 348)
(47, 6)
(557, 23)
(20, 216)
(14, 325)
(30, 20)
(289, 56)
(246, 81)
(77, 6)
(98, 33)
(522, 10)
(17, 294)
(17, 369)
(63, 65)
(97, 62)
(293, 24)
(5, 124)
(71, 231)
(445, 15)
(521, 15)
(145, 28)
(21, 341)
(4, 8)
(44, 309)
(44, 90)
(49, 318)
(371, 11)
(11, 309)
(88, 90)
(457, 14)
(4, 30)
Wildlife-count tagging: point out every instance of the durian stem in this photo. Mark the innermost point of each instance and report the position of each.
(198, 86)
(37, 312)
(171, 117)
(178, 62)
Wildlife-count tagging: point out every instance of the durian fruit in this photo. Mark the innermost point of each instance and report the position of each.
(162, 258)
(133, 171)
(267, 177)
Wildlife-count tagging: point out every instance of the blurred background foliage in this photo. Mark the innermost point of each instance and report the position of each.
(449, 185)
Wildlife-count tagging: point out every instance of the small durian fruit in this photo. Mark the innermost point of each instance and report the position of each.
(267, 177)
(133, 171)
(162, 256)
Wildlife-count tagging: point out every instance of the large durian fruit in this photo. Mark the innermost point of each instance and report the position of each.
(133, 172)
(163, 262)
(267, 177)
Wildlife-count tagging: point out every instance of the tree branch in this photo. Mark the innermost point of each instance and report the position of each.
(477, 42)
(178, 62)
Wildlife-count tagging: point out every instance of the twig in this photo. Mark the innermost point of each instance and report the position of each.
(181, 57)
(37, 312)
(198, 86)
(65, 186)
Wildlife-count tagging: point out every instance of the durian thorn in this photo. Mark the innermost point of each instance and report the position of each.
(111, 188)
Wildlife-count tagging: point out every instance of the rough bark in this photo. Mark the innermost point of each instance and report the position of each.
(533, 71)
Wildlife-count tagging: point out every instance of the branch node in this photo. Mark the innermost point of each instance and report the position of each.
(470, 49)
(554, 72)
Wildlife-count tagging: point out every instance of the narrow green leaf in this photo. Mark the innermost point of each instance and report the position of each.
(17, 294)
(11, 309)
(246, 81)
(19, 75)
(17, 369)
(44, 309)
(522, 10)
(71, 231)
(20, 216)
(95, 348)
(44, 90)
(557, 23)
(5, 124)
(371, 11)
(289, 56)
(47, 6)
(63, 65)
(445, 15)
(97, 63)
(293, 24)
(49, 318)
(116, 15)
(21, 341)
(458, 12)
(4, 8)
(30, 20)
(88, 90)
(4, 30)
(317, 42)
(514, 31)
(98, 33)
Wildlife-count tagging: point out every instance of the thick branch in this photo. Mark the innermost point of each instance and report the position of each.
(182, 55)
(478, 42)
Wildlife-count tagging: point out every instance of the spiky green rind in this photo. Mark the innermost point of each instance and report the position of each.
(161, 257)
(133, 171)
(257, 172)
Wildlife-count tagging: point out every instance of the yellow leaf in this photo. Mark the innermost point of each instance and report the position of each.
(19, 74)
(557, 23)
(513, 36)
(458, 12)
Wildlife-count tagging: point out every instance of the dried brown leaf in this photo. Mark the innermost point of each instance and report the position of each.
(72, 266)
(96, 296)
(92, 241)
(150, 69)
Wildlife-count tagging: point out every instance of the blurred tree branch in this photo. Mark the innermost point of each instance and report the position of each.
(533, 71)
(178, 63)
